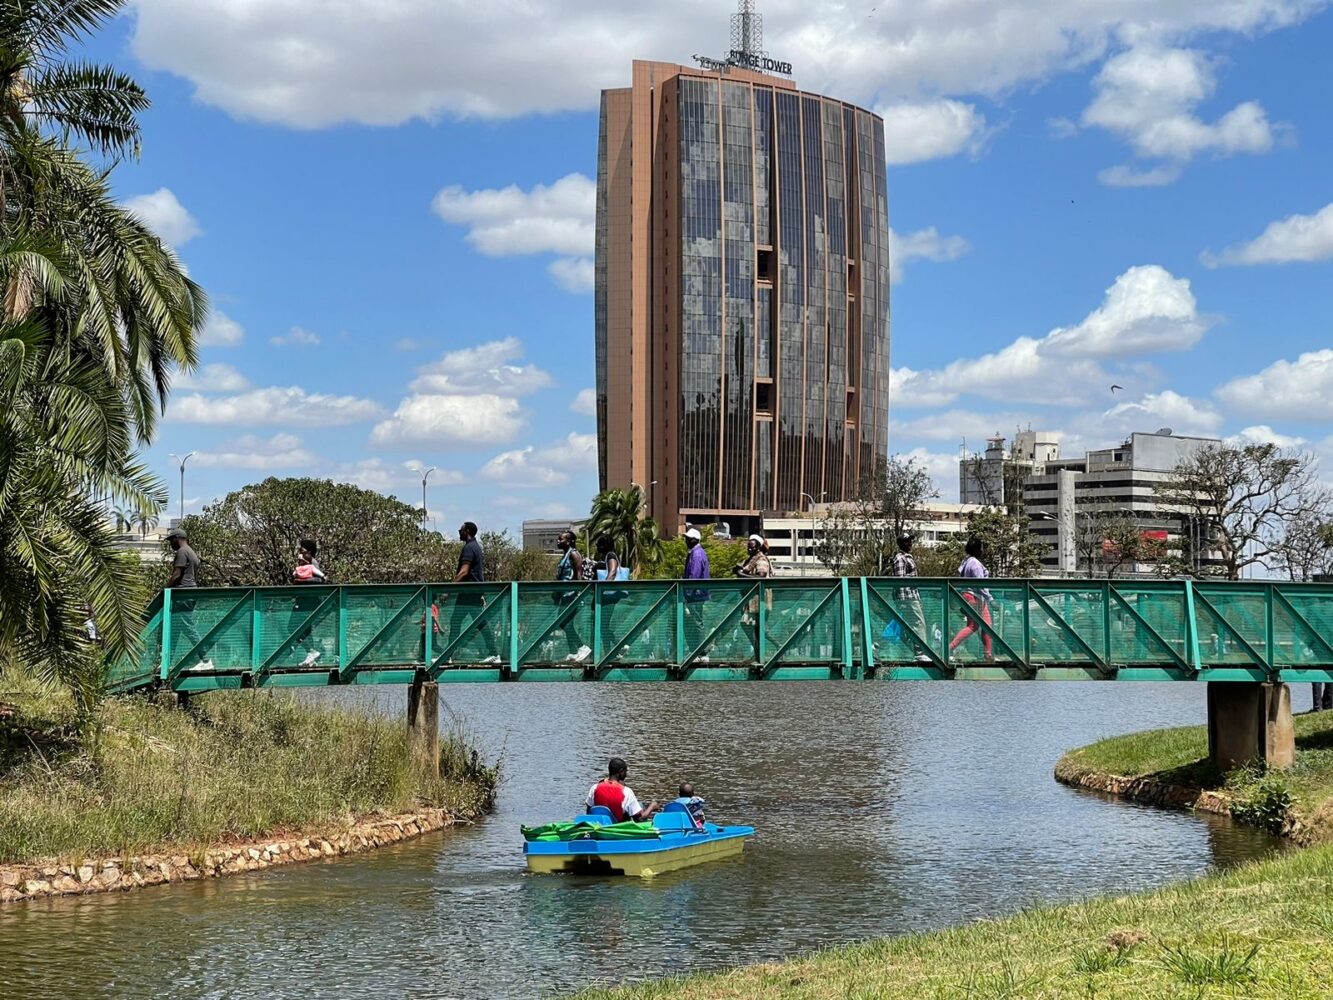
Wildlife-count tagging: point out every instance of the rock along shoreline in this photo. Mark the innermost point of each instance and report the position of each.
(1164, 795)
(19, 883)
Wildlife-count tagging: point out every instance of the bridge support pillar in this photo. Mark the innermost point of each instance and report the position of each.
(423, 725)
(1250, 722)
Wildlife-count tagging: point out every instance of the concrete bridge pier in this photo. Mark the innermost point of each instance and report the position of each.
(423, 725)
(1250, 722)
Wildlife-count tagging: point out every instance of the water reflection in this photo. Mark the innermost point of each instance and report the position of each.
(881, 809)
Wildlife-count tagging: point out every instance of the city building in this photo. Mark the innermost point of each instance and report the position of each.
(793, 540)
(1069, 499)
(542, 535)
(742, 289)
(995, 478)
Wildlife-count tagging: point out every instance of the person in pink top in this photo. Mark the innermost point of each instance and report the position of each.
(617, 796)
(979, 598)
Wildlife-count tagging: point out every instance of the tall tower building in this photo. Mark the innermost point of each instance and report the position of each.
(742, 288)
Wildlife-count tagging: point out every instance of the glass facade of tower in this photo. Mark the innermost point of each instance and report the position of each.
(770, 212)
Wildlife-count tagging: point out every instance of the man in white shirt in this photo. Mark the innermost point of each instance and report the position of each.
(617, 796)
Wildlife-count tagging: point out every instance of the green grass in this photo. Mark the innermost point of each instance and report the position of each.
(237, 765)
(1179, 756)
(1260, 932)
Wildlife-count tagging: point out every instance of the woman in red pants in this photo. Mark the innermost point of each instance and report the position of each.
(979, 599)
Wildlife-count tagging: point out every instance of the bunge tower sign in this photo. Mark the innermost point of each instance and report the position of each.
(742, 289)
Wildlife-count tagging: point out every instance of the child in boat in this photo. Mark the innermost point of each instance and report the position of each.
(692, 803)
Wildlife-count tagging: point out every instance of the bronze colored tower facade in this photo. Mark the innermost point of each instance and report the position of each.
(742, 294)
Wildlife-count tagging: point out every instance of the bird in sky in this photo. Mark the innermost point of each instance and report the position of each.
(1115, 387)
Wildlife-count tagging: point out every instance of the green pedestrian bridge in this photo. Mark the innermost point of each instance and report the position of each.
(788, 629)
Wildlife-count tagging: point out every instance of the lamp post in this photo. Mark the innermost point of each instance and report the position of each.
(814, 525)
(182, 462)
(424, 508)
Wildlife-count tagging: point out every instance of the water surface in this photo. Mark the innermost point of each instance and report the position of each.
(882, 809)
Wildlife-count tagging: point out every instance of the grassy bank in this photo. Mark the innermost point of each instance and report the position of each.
(237, 765)
(1261, 932)
(1301, 797)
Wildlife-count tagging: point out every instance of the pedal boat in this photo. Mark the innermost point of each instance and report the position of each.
(678, 844)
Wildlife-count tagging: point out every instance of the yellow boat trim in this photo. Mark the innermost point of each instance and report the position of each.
(642, 865)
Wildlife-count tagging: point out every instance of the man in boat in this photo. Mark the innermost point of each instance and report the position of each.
(617, 796)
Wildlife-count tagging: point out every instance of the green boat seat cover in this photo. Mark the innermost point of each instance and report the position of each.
(553, 832)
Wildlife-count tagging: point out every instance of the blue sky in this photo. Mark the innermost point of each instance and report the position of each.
(391, 208)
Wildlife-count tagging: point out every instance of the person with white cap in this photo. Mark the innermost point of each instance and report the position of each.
(756, 564)
(696, 559)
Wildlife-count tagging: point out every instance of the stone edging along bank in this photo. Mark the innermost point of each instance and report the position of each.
(23, 882)
(1151, 792)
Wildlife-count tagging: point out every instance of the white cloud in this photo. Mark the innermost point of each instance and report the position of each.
(1147, 310)
(484, 368)
(1162, 409)
(282, 451)
(955, 425)
(163, 213)
(548, 466)
(573, 274)
(213, 378)
(388, 477)
(221, 331)
(1148, 94)
(943, 469)
(436, 418)
(297, 336)
(585, 403)
(1263, 434)
(1291, 390)
(291, 406)
(286, 61)
(924, 244)
(1297, 237)
(929, 130)
(506, 222)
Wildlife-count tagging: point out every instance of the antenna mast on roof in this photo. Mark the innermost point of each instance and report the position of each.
(747, 29)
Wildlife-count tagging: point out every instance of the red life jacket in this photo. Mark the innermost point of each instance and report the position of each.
(611, 795)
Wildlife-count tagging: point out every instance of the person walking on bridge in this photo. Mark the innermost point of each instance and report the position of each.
(569, 569)
(909, 598)
(471, 569)
(184, 576)
(978, 598)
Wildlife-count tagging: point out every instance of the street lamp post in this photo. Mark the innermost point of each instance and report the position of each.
(182, 462)
(424, 509)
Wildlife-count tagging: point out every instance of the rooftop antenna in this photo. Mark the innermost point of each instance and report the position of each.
(747, 29)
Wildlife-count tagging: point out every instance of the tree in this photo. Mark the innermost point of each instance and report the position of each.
(147, 520)
(843, 537)
(1237, 502)
(250, 537)
(724, 555)
(1307, 545)
(1009, 549)
(1114, 539)
(619, 515)
(96, 316)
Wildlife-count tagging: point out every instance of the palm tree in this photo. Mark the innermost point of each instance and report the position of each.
(618, 514)
(96, 315)
(129, 304)
(148, 520)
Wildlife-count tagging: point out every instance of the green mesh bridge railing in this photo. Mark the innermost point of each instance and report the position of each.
(206, 639)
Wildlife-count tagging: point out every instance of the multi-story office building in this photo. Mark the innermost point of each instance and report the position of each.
(1067, 500)
(996, 477)
(742, 292)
